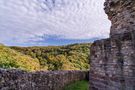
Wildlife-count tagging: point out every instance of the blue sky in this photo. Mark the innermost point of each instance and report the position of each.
(52, 22)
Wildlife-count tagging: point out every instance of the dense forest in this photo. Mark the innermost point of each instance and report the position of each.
(68, 57)
(12, 59)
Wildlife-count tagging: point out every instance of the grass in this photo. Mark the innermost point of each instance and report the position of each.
(79, 85)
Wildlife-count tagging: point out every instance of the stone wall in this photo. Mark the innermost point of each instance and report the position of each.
(122, 15)
(113, 59)
(51, 80)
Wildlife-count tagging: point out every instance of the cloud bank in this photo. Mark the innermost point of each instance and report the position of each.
(31, 21)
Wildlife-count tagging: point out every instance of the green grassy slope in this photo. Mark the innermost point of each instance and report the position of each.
(12, 59)
(69, 57)
(79, 85)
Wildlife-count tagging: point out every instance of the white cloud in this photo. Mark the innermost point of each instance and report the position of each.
(22, 20)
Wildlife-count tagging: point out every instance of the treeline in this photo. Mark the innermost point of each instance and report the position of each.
(70, 57)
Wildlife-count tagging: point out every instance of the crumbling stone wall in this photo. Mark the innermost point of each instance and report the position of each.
(122, 15)
(113, 59)
(50, 80)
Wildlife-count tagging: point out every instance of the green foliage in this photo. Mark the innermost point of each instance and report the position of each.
(79, 85)
(12, 59)
(70, 57)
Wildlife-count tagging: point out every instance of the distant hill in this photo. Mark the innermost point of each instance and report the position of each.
(69, 57)
(12, 59)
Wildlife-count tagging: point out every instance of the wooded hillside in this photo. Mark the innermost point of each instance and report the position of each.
(69, 57)
(12, 59)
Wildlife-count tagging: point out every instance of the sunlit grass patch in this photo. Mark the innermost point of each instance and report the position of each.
(79, 85)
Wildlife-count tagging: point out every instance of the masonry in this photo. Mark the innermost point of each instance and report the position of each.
(40, 80)
(113, 59)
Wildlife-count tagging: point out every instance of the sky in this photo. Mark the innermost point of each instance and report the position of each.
(52, 22)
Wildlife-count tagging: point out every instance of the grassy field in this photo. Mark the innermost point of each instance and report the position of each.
(79, 85)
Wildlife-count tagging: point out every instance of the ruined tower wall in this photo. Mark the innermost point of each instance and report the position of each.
(122, 15)
(113, 59)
